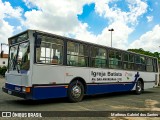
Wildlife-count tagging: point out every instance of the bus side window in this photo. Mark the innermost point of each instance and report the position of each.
(77, 54)
(131, 62)
(115, 59)
(98, 57)
(56, 54)
(125, 61)
(50, 51)
(149, 66)
(137, 63)
(38, 54)
(155, 65)
(72, 52)
(143, 63)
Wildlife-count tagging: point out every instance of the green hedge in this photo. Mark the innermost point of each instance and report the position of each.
(3, 70)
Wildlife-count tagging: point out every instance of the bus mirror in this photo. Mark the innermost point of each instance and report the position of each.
(38, 42)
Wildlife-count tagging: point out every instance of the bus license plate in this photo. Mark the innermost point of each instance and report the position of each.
(9, 92)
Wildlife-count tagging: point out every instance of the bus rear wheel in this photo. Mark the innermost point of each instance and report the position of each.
(75, 91)
(139, 88)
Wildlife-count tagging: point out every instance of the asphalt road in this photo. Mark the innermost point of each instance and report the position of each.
(148, 101)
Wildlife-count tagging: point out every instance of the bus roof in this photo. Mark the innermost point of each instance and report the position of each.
(72, 39)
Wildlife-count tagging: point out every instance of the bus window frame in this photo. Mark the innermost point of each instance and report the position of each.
(91, 57)
(65, 40)
(115, 51)
(78, 53)
(36, 36)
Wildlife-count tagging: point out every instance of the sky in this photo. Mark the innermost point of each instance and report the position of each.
(136, 23)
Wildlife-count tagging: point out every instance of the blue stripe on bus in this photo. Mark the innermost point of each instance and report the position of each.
(108, 88)
(57, 91)
(60, 91)
(48, 92)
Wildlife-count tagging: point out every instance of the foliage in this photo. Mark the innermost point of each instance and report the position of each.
(0, 70)
(3, 70)
(141, 51)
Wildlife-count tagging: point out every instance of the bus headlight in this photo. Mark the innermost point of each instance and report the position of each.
(23, 89)
(26, 89)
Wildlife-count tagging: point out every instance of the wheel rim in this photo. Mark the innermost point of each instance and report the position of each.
(139, 86)
(76, 91)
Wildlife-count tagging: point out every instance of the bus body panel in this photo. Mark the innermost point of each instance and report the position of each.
(17, 79)
(52, 81)
(98, 85)
(46, 92)
(149, 79)
(48, 74)
(109, 80)
(74, 72)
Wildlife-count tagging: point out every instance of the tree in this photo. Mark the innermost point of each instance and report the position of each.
(141, 51)
(3, 70)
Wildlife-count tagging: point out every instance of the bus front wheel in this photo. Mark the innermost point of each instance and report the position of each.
(139, 87)
(75, 91)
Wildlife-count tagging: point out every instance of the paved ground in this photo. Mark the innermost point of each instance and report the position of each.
(148, 101)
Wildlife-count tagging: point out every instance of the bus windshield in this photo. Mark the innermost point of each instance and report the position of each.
(19, 57)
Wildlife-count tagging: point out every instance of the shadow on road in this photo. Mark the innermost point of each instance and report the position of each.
(114, 95)
(38, 102)
(65, 100)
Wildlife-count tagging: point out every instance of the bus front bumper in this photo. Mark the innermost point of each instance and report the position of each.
(16, 93)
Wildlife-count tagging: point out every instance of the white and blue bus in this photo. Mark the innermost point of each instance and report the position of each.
(43, 65)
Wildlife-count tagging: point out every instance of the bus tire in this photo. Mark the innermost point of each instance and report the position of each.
(75, 91)
(139, 87)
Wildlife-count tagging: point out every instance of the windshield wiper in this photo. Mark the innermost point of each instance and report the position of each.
(14, 64)
(18, 68)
